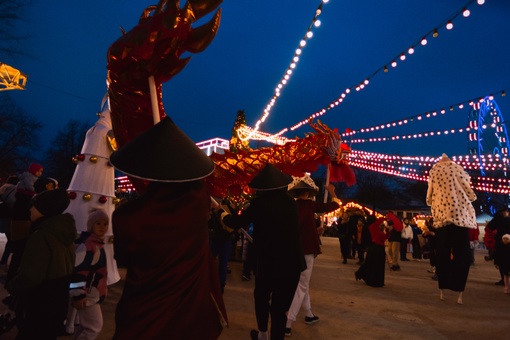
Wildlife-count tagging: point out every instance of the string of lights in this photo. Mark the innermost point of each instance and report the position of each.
(434, 33)
(245, 132)
(290, 70)
(417, 168)
(470, 162)
(422, 116)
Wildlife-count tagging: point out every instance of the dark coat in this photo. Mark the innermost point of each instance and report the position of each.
(275, 233)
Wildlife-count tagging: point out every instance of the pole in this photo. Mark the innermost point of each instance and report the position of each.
(154, 100)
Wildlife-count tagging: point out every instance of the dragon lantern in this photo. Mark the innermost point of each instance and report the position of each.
(234, 170)
(153, 49)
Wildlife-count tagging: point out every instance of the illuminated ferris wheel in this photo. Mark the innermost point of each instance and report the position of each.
(491, 138)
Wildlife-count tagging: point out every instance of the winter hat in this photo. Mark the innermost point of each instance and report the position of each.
(270, 178)
(164, 153)
(34, 167)
(96, 215)
(40, 184)
(51, 202)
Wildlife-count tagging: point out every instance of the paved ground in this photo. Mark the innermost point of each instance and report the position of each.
(407, 307)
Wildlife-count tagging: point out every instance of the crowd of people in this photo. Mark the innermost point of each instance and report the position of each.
(170, 284)
(50, 270)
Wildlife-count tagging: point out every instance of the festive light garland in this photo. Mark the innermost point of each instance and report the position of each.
(288, 73)
(416, 168)
(245, 132)
(422, 116)
(393, 63)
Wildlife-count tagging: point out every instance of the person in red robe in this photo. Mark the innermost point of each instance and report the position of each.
(172, 286)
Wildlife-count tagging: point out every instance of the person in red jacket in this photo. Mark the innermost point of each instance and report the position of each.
(304, 191)
(372, 270)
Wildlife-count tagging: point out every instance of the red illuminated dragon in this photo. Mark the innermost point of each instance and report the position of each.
(153, 48)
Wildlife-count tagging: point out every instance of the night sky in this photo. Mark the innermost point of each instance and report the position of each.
(68, 41)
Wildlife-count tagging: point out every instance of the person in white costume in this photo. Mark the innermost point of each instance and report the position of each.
(93, 186)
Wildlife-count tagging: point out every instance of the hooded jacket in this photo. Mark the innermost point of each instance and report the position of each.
(49, 253)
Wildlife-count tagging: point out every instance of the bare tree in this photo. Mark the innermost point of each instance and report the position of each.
(11, 12)
(19, 136)
(372, 188)
(66, 145)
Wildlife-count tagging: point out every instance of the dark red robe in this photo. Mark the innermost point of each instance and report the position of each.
(172, 288)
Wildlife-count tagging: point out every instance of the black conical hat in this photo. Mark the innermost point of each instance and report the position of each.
(164, 153)
(270, 178)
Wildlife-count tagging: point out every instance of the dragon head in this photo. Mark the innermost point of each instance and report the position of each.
(154, 47)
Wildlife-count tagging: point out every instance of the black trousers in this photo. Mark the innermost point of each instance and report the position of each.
(273, 296)
(453, 257)
(403, 248)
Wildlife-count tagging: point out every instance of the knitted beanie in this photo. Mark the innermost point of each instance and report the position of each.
(34, 167)
(51, 202)
(94, 216)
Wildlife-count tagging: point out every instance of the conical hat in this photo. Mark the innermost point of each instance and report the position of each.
(303, 186)
(164, 153)
(270, 178)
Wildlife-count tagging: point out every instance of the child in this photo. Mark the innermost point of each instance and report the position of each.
(88, 287)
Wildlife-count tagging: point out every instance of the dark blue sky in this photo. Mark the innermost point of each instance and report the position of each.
(254, 46)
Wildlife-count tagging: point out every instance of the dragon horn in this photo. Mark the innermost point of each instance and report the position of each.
(203, 7)
(202, 36)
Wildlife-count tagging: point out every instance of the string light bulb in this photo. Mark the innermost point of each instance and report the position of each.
(423, 41)
(449, 25)
(466, 13)
(436, 33)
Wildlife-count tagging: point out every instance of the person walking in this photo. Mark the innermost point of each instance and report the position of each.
(417, 242)
(279, 259)
(344, 237)
(372, 270)
(304, 191)
(449, 195)
(394, 240)
(406, 236)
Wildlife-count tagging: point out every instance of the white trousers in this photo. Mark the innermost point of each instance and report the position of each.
(302, 294)
(91, 322)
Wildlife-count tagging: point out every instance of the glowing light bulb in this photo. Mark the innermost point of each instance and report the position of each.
(309, 34)
(449, 25)
(423, 41)
(393, 63)
(436, 33)
(466, 13)
(480, 2)
(317, 23)
(402, 57)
